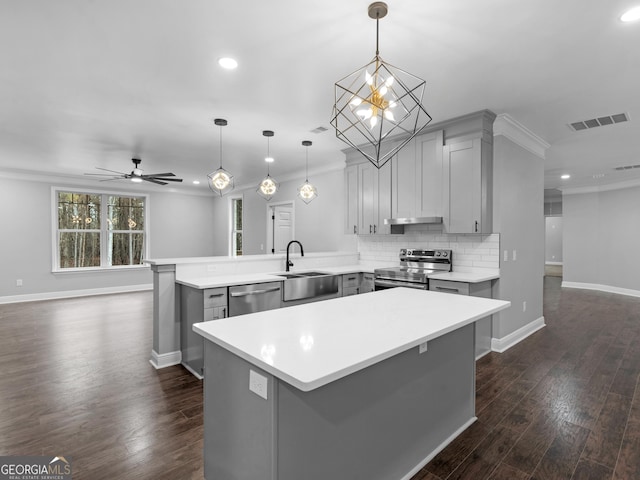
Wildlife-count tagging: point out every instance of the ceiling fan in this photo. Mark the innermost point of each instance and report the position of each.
(136, 175)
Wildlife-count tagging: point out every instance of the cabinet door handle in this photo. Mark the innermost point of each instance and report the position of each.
(351, 278)
(374, 228)
(224, 312)
(354, 229)
(216, 295)
(448, 289)
(370, 228)
(476, 226)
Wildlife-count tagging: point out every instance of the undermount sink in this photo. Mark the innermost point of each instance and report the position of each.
(297, 286)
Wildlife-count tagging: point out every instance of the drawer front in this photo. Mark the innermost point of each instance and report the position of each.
(215, 313)
(215, 297)
(351, 280)
(445, 286)
(368, 283)
(349, 291)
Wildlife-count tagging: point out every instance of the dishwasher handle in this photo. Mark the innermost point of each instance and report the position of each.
(254, 292)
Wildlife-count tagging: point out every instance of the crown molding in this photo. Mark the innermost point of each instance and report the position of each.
(600, 188)
(508, 127)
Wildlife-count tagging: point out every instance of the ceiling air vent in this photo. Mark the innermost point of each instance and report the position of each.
(320, 129)
(599, 122)
(627, 167)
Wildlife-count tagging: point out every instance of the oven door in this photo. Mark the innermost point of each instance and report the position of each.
(384, 283)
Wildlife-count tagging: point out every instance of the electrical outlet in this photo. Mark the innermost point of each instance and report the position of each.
(258, 384)
(524, 306)
(422, 347)
(514, 255)
(19, 282)
(506, 255)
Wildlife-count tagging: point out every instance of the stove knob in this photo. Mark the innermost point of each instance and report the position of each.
(437, 253)
(445, 254)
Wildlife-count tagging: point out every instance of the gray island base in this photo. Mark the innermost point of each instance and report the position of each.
(382, 419)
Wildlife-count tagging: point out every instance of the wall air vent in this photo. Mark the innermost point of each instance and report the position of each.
(319, 129)
(627, 167)
(599, 122)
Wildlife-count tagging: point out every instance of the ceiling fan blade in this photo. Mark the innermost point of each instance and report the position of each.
(101, 175)
(159, 174)
(147, 179)
(162, 178)
(112, 171)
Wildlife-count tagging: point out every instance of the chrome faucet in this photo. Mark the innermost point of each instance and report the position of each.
(289, 262)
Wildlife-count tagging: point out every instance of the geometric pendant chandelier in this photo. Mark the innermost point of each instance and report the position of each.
(220, 181)
(377, 103)
(268, 186)
(307, 191)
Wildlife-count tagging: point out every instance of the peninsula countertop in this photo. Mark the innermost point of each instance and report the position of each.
(314, 344)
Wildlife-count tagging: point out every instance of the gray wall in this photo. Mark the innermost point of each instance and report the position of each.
(180, 226)
(319, 226)
(518, 218)
(606, 221)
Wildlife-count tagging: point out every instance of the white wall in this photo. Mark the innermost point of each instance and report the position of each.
(319, 226)
(180, 225)
(553, 240)
(518, 218)
(597, 223)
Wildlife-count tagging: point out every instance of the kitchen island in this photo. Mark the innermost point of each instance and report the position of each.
(367, 386)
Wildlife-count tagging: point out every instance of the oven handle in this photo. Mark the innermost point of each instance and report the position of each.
(395, 283)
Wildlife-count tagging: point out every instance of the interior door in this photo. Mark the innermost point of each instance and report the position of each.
(281, 227)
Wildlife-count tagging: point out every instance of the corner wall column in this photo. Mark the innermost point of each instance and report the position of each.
(166, 318)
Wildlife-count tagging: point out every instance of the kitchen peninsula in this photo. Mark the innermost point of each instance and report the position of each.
(367, 386)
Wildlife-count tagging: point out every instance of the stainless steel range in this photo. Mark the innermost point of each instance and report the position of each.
(415, 267)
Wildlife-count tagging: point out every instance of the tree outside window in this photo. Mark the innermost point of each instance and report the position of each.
(84, 240)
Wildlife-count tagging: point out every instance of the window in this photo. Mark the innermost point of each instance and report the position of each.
(98, 230)
(236, 227)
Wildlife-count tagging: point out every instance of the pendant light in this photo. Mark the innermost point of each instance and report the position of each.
(377, 102)
(220, 181)
(307, 192)
(268, 186)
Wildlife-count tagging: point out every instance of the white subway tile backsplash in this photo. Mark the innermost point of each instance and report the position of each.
(470, 252)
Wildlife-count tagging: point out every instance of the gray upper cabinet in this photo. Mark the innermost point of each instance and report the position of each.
(368, 198)
(467, 184)
(417, 177)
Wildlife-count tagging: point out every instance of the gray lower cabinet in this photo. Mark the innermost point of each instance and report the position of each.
(366, 283)
(350, 284)
(481, 289)
(198, 305)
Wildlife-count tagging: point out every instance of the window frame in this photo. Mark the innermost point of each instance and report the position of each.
(232, 225)
(104, 230)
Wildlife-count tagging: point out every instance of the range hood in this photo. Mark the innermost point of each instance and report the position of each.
(397, 224)
(412, 220)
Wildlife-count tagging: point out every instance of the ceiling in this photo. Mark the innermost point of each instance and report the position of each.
(93, 83)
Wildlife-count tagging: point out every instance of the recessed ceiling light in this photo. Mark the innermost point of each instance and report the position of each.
(565, 176)
(269, 159)
(228, 63)
(196, 182)
(631, 15)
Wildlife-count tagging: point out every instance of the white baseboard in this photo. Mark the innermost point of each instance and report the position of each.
(35, 297)
(602, 288)
(439, 448)
(503, 344)
(193, 372)
(162, 360)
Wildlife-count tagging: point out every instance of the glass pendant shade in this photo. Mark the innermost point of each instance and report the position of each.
(307, 192)
(378, 102)
(268, 187)
(220, 181)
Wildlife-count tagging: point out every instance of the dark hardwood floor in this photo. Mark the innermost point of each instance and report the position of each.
(75, 381)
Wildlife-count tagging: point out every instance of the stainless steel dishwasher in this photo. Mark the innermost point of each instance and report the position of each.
(256, 297)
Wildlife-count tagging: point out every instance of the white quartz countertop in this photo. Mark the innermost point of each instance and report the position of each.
(468, 277)
(314, 344)
(223, 280)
